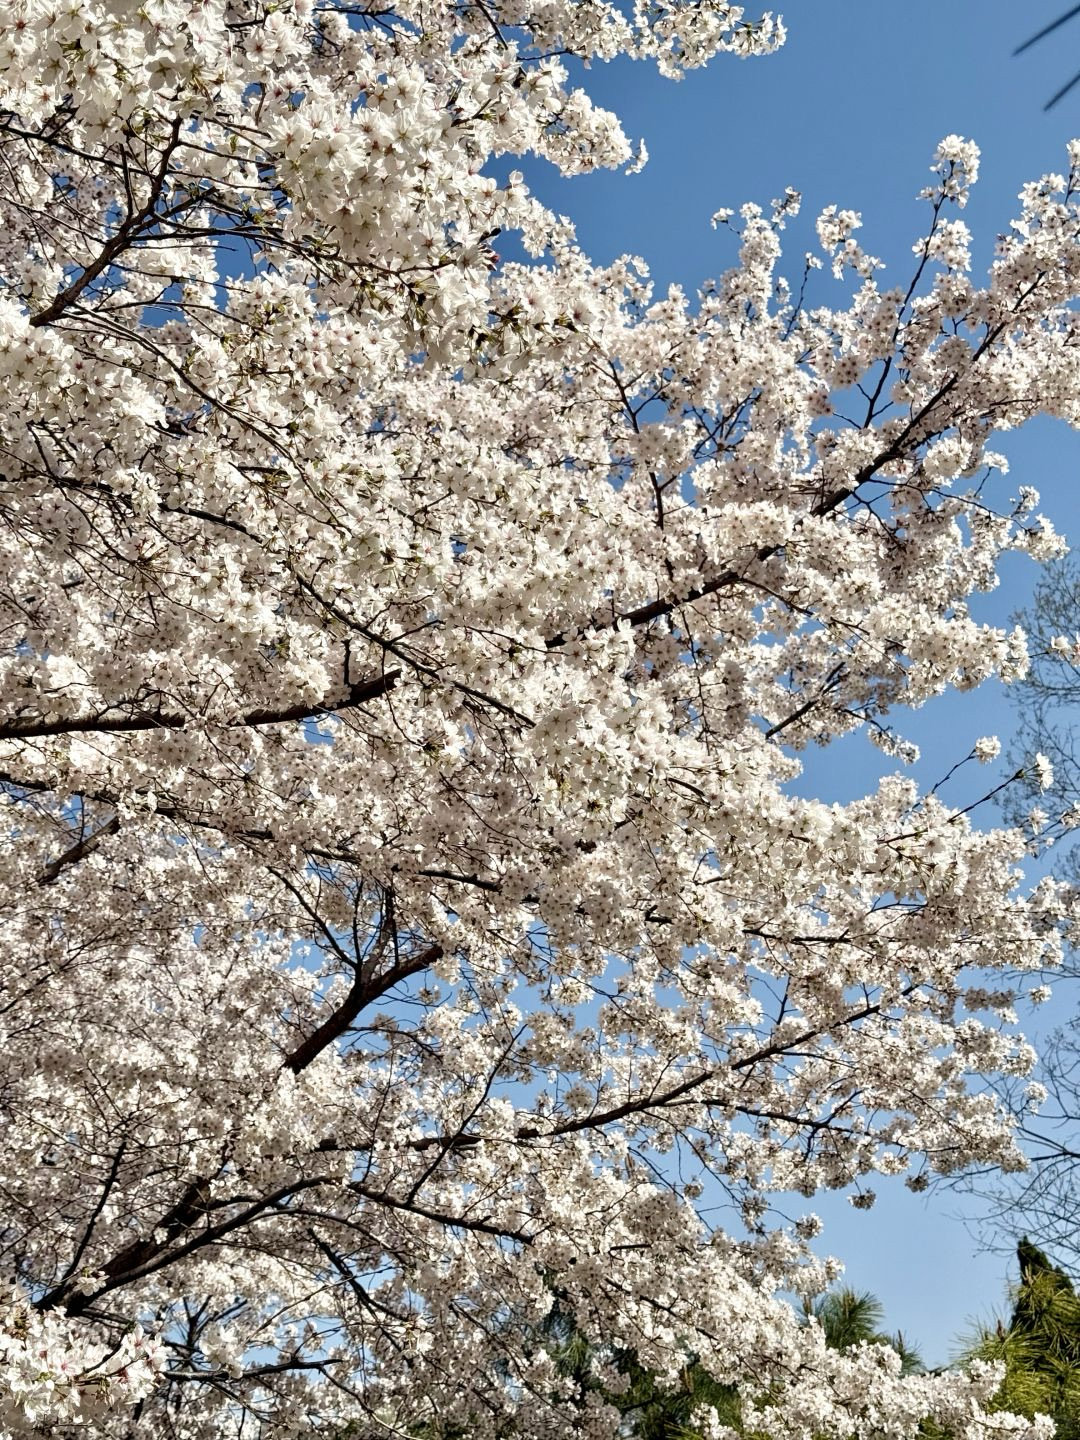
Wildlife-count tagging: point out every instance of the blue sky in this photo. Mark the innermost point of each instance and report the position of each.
(850, 113)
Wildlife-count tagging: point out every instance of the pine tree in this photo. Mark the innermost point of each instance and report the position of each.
(849, 1317)
(655, 1411)
(650, 1410)
(1040, 1346)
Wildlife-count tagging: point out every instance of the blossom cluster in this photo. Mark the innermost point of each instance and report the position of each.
(52, 1374)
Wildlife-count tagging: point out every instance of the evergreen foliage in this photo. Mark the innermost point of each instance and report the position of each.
(1040, 1347)
(850, 1317)
(653, 1410)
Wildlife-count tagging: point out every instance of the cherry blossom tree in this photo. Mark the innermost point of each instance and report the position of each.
(407, 656)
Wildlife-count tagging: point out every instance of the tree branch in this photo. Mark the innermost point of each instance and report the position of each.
(359, 693)
(119, 242)
(365, 988)
(79, 851)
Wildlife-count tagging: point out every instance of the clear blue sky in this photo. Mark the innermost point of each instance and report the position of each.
(850, 113)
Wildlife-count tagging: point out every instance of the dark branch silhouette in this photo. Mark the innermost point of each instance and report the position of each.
(106, 722)
(1041, 35)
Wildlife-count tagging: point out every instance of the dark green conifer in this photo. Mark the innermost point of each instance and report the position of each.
(1040, 1346)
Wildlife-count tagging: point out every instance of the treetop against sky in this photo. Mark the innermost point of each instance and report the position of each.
(328, 1067)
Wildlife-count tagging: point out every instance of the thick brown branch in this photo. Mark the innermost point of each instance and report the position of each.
(102, 724)
(175, 1222)
(79, 851)
(136, 1268)
(151, 1251)
(366, 988)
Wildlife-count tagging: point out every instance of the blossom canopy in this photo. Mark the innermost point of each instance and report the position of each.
(407, 656)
